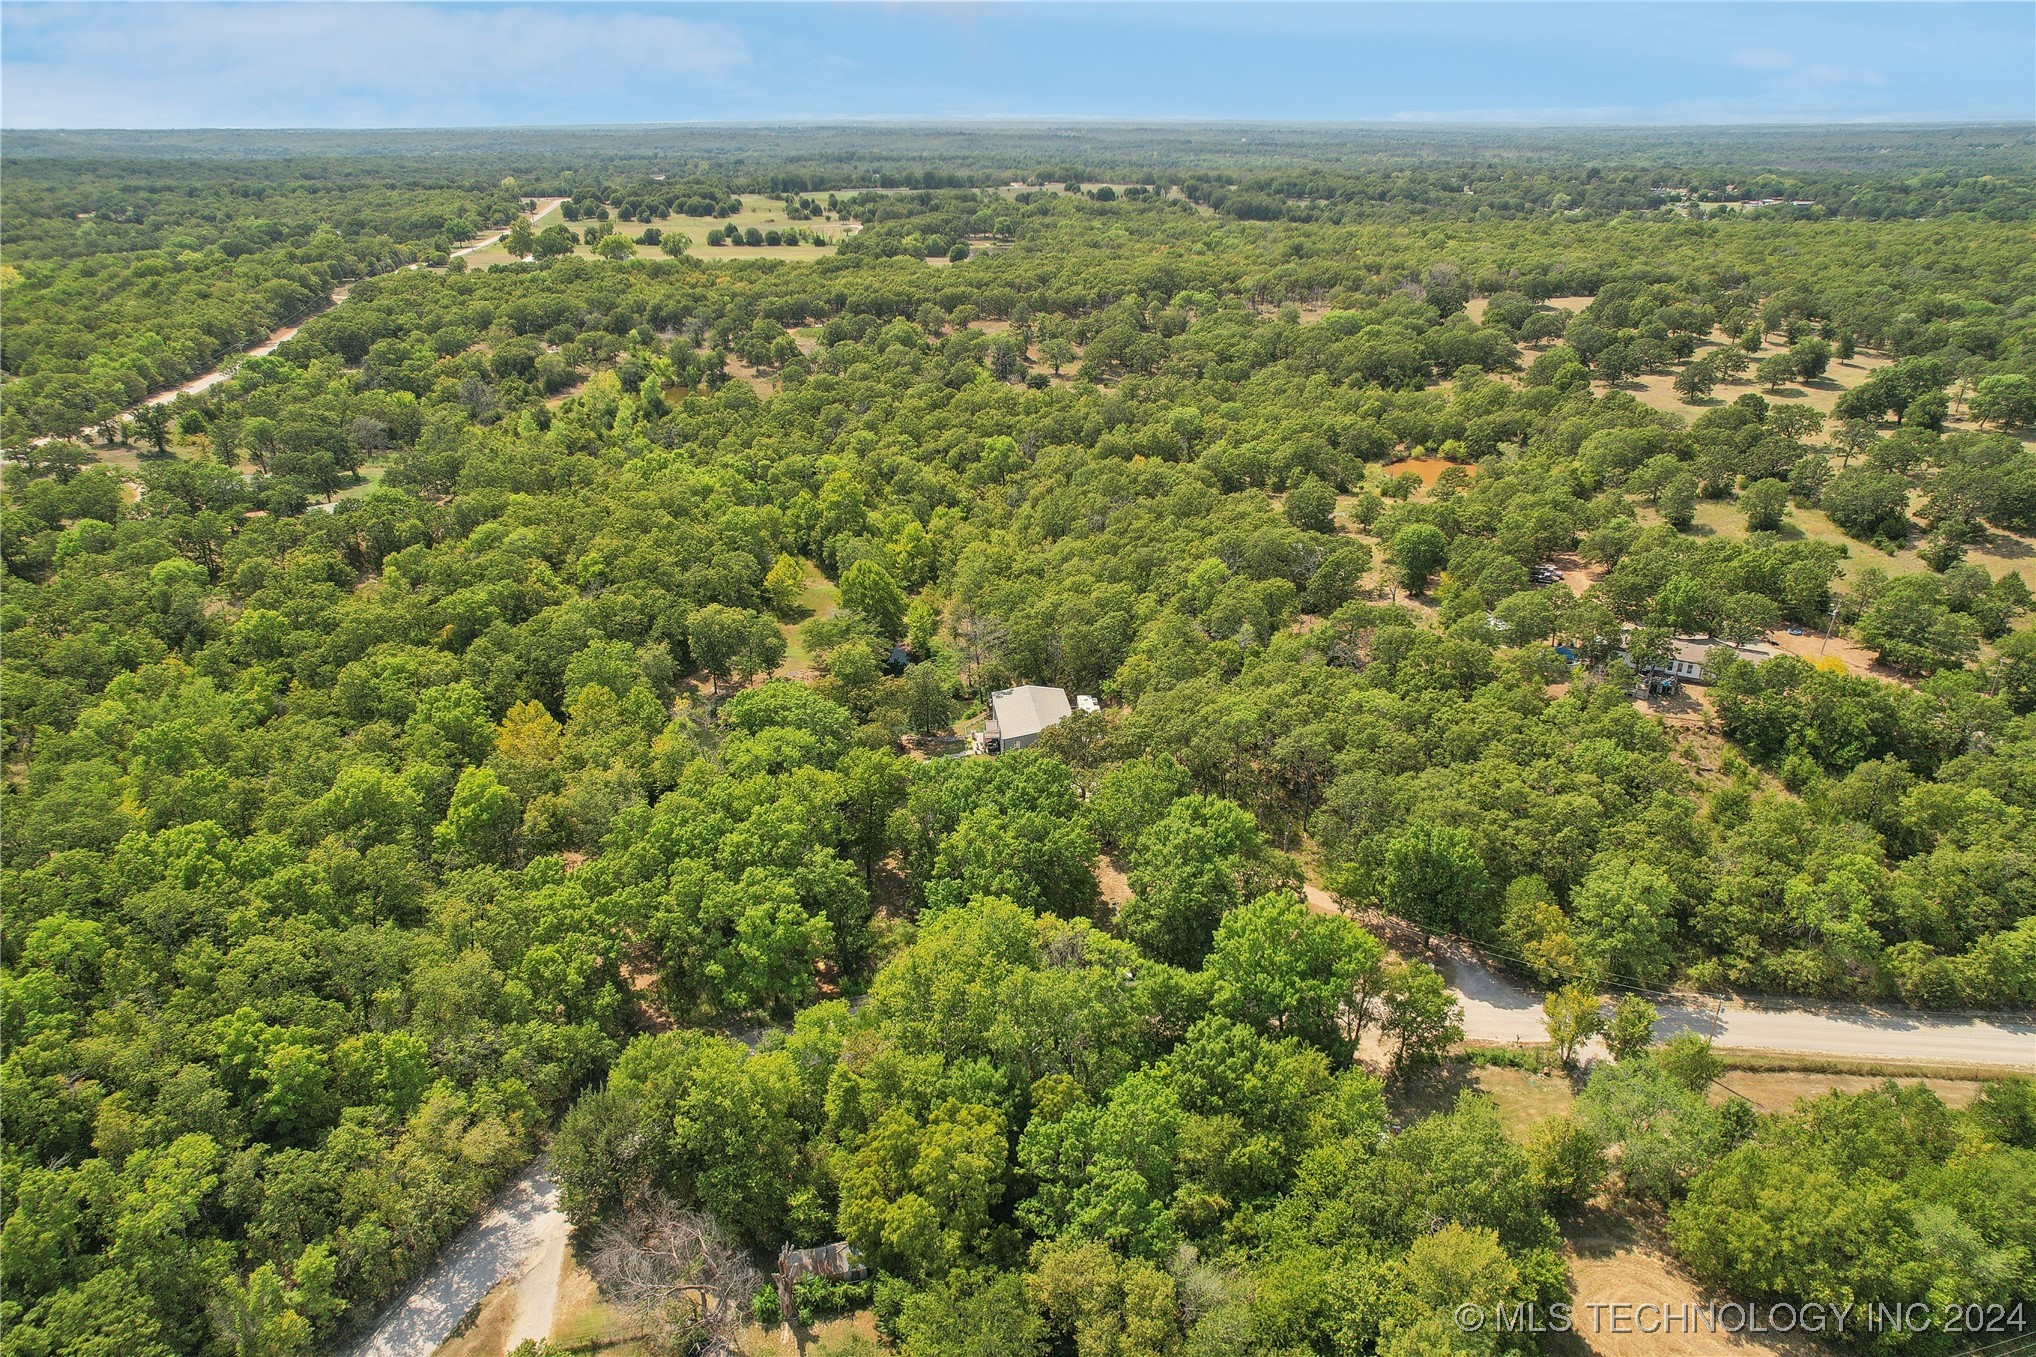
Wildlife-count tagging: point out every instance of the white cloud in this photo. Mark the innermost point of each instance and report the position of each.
(147, 65)
(1827, 75)
(1762, 59)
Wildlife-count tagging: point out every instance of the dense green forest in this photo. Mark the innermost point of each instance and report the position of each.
(130, 274)
(441, 734)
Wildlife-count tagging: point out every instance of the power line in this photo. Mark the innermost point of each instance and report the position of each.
(2004, 1347)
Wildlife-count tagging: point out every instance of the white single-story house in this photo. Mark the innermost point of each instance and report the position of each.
(1690, 657)
(1017, 715)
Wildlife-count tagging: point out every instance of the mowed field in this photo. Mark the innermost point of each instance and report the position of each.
(764, 213)
(1089, 186)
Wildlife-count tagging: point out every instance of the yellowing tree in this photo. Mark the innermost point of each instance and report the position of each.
(783, 585)
(527, 750)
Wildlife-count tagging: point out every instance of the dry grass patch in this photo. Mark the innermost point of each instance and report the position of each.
(702, 250)
(1856, 658)
(1750, 1061)
(1612, 1262)
(583, 1322)
(487, 1335)
(1115, 886)
(1780, 1091)
(1524, 1098)
(1576, 575)
(831, 1335)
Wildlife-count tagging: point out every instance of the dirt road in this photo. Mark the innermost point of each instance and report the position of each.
(545, 206)
(1497, 1008)
(522, 1235)
(219, 374)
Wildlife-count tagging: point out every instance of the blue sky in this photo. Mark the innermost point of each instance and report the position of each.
(483, 64)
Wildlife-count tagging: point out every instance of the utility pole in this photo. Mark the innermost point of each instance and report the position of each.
(1833, 626)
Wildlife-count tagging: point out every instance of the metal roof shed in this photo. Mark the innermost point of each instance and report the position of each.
(1017, 715)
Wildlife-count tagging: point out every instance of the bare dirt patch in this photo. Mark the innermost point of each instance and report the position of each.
(1614, 1262)
(1110, 878)
(1578, 576)
(560, 398)
(764, 384)
(1686, 709)
(1429, 469)
(1856, 658)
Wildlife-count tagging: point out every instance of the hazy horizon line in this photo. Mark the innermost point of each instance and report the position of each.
(1108, 120)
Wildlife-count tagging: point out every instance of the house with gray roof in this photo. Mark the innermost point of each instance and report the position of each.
(1017, 715)
(1694, 659)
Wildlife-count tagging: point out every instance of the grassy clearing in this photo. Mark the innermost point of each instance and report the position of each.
(818, 598)
(1088, 186)
(1658, 391)
(547, 213)
(1524, 1098)
(1780, 1091)
(1771, 1082)
(2005, 552)
(763, 213)
(371, 475)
